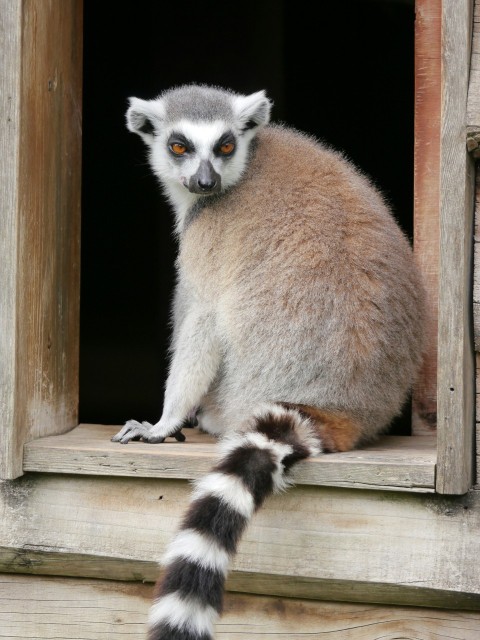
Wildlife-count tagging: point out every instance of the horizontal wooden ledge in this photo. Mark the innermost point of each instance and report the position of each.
(398, 463)
(66, 564)
(43, 608)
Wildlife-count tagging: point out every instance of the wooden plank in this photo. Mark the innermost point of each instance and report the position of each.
(476, 263)
(477, 414)
(45, 608)
(50, 183)
(262, 618)
(476, 313)
(52, 563)
(427, 197)
(308, 542)
(455, 357)
(43, 77)
(10, 50)
(473, 102)
(398, 463)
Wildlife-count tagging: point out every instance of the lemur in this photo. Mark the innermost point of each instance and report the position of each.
(297, 320)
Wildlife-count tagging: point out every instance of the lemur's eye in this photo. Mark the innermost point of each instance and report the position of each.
(227, 148)
(178, 149)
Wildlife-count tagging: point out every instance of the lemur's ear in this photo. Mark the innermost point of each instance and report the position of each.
(144, 117)
(253, 110)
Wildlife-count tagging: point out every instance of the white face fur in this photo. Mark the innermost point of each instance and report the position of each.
(197, 158)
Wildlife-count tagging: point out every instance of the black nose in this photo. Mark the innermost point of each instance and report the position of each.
(207, 185)
(206, 180)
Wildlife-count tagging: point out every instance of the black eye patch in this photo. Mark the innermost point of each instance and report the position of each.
(227, 138)
(179, 138)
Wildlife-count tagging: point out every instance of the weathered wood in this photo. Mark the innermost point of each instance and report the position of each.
(41, 85)
(398, 463)
(455, 356)
(476, 263)
(473, 129)
(10, 48)
(261, 618)
(476, 314)
(473, 102)
(427, 197)
(308, 542)
(477, 414)
(64, 563)
(45, 608)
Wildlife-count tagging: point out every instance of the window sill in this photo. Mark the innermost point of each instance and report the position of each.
(397, 463)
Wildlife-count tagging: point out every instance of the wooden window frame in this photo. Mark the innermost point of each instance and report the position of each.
(443, 230)
(40, 160)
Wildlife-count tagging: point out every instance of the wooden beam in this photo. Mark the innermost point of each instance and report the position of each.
(473, 102)
(10, 52)
(67, 564)
(477, 414)
(45, 608)
(426, 234)
(456, 382)
(392, 463)
(476, 265)
(309, 542)
(41, 168)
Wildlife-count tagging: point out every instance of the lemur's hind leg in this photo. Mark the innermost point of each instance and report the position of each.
(210, 415)
(338, 431)
(253, 464)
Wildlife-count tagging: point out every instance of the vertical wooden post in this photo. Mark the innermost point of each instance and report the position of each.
(40, 144)
(10, 46)
(476, 309)
(455, 335)
(428, 20)
(473, 101)
(473, 145)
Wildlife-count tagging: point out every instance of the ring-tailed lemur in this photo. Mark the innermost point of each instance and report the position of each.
(297, 319)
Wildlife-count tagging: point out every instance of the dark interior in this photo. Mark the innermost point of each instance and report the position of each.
(343, 72)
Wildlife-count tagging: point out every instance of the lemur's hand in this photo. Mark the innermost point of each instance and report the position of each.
(146, 432)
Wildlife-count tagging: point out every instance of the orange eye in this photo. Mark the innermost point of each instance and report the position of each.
(227, 148)
(178, 149)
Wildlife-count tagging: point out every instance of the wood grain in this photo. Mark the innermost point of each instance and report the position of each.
(43, 82)
(45, 608)
(476, 303)
(476, 262)
(473, 102)
(10, 51)
(477, 418)
(426, 234)
(395, 463)
(66, 563)
(309, 542)
(456, 381)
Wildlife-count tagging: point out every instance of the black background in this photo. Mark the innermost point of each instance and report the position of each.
(343, 72)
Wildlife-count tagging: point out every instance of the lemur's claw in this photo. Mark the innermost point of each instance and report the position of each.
(178, 435)
(134, 430)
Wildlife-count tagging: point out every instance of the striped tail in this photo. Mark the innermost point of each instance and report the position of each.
(253, 464)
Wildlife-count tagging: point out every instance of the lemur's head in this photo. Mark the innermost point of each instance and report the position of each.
(198, 137)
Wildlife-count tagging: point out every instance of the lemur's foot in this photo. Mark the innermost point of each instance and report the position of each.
(146, 432)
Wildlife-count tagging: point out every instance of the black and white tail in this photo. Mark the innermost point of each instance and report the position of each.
(253, 464)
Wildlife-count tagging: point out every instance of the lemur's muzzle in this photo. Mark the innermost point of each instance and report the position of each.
(206, 180)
